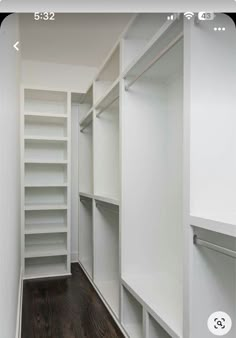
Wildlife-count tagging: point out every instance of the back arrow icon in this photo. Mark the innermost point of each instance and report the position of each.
(16, 45)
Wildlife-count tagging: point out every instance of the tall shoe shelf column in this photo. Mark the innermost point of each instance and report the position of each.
(45, 183)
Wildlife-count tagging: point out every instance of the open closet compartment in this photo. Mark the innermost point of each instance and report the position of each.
(138, 34)
(45, 221)
(86, 233)
(108, 74)
(45, 102)
(213, 281)
(106, 253)
(45, 182)
(152, 147)
(106, 146)
(154, 330)
(131, 314)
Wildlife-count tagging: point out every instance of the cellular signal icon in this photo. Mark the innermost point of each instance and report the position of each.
(188, 15)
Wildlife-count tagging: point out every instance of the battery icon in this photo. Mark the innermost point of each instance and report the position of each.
(206, 16)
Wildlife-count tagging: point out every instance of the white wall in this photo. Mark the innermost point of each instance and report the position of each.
(57, 76)
(9, 177)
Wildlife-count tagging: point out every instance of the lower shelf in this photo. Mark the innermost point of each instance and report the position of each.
(45, 267)
(162, 298)
(110, 292)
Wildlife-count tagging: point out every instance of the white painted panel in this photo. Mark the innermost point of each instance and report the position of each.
(9, 177)
(213, 138)
(86, 159)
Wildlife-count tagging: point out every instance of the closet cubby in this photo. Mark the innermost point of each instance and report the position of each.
(155, 330)
(213, 282)
(45, 102)
(86, 233)
(131, 315)
(106, 253)
(141, 30)
(45, 195)
(43, 245)
(107, 75)
(45, 126)
(45, 174)
(106, 147)
(152, 107)
(45, 267)
(45, 221)
(45, 151)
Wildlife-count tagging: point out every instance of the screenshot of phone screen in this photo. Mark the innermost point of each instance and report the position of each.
(118, 163)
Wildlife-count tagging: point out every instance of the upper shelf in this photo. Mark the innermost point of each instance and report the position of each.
(111, 95)
(38, 114)
(168, 32)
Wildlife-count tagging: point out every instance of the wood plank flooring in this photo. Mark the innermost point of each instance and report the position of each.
(65, 308)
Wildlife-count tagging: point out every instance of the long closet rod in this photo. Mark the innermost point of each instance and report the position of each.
(162, 53)
(108, 105)
(215, 247)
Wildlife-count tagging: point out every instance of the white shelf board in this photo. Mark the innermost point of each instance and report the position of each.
(87, 195)
(109, 290)
(148, 53)
(46, 207)
(45, 162)
(45, 270)
(45, 228)
(160, 299)
(47, 250)
(106, 199)
(212, 225)
(46, 185)
(45, 138)
(109, 95)
(64, 116)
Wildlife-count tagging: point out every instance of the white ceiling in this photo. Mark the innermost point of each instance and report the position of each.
(77, 39)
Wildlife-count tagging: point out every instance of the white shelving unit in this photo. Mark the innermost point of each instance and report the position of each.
(45, 183)
(156, 197)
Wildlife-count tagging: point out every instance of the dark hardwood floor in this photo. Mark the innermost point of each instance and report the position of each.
(65, 308)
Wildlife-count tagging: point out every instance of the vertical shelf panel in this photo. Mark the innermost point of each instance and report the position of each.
(106, 253)
(86, 234)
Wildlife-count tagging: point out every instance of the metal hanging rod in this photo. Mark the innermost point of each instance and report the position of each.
(84, 200)
(108, 105)
(162, 53)
(215, 247)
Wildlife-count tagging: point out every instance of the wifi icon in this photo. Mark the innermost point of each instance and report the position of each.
(188, 15)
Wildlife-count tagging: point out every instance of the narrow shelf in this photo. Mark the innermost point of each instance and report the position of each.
(108, 200)
(110, 95)
(46, 207)
(45, 161)
(47, 250)
(152, 293)
(64, 116)
(110, 292)
(45, 228)
(168, 31)
(212, 225)
(87, 195)
(46, 138)
(46, 185)
(45, 267)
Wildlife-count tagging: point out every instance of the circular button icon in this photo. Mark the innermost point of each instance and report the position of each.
(219, 323)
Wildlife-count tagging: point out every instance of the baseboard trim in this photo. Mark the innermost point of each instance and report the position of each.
(19, 306)
(74, 257)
